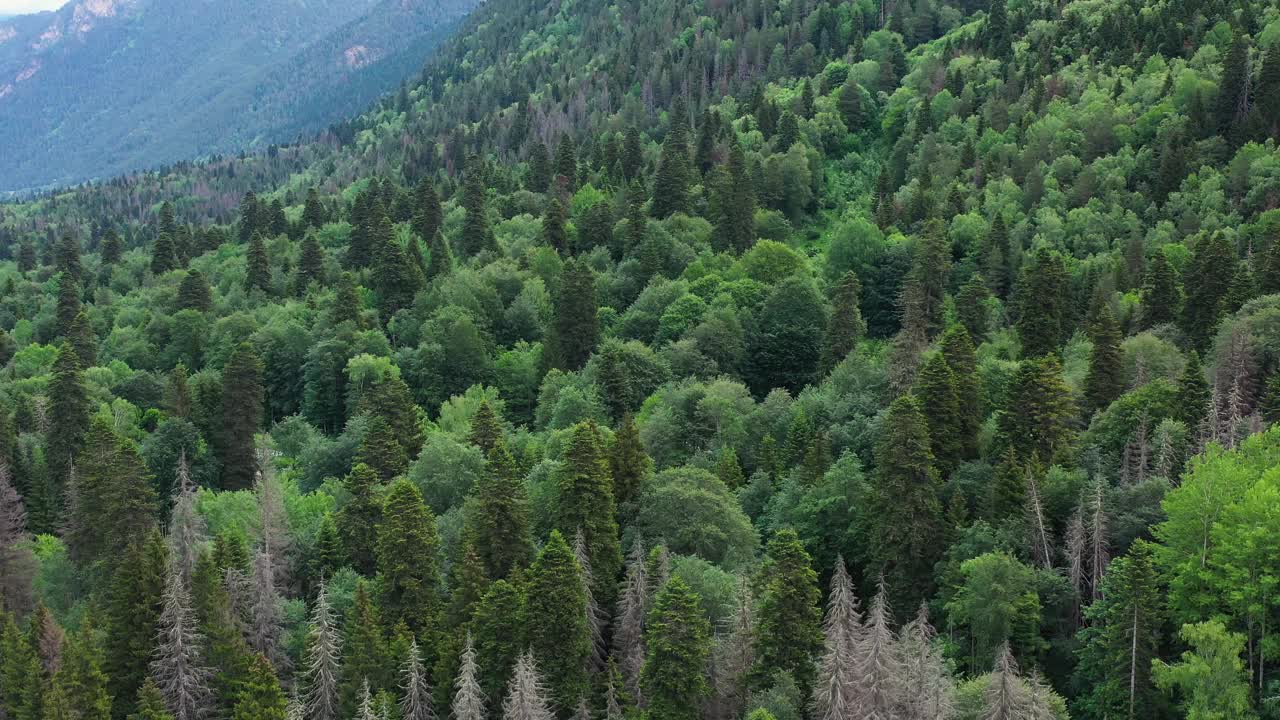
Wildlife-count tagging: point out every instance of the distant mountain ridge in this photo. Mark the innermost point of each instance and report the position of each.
(101, 87)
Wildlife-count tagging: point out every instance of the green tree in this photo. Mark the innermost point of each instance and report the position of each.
(555, 622)
(1105, 381)
(132, 606)
(960, 356)
(407, 564)
(194, 293)
(787, 345)
(1210, 676)
(241, 415)
(310, 263)
(498, 515)
(68, 423)
(1037, 415)
(440, 262)
(1042, 321)
(789, 632)
(849, 104)
(997, 603)
(365, 656)
(258, 265)
(1161, 295)
(628, 463)
(905, 511)
(586, 504)
(476, 235)
(575, 326)
(1193, 393)
(313, 215)
(498, 634)
(971, 307)
(396, 278)
(671, 184)
(114, 503)
(427, 214)
(1207, 280)
(735, 204)
(150, 704)
(936, 388)
(678, 641)
(359, 519)
(846, 326)
(260, 697)
(164, 255)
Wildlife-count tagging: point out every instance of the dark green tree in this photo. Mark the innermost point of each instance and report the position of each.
(971, 307)
(359, 518)
(427, 213)
(1105, 381)
(671, 184)
(260, 697)
(68, 423)
(788, 633)
(586, 504)
(476, 235)
(575, 327)
(132, 605)
(786, 348)
(555, 622)
(538, 177)
(846, 326)
(498, 515)
(1161, 294)
(498, 634)
(628, 463)
(554, 232)
(1193, 393)
(440, 260)
(194, 293)
(849, 103)
(257, 265)
(407, 565)
(310, 262)
(735, 204)
(365, 655)
(1042, 320)
(164, 255)
(678, 642)
(1036, 420)
(936, 388)
(1207, 281)
(241, 416)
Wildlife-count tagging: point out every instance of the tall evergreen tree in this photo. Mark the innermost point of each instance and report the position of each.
(133, 605)
(310, 263)
(585, 504)
(1234, 88)
(836, 693)
(906, 533)
(1193, 393)
(112, 499)
(407, 548)
(427, 214)
(416, 702)
(846, 326)
(258, 265)
(365, 657)
(241, 415)
(194, 293)
(80, 683)
(178, 664)
(671, 184)
(164, 255)
(1161, 295)
(359, 519)
(68, 423)
(960, 356)
(476, 235)
(936, 388)
(498, 635)
(1037, 416)
(555, 620)
(260, 697)
(320, 670)
(1041, 322)
(735, 224)
(1208, 279)
(789, 631)
(1105, 381)
(678, 638)
(498, 515)
(575, 327)
(971, 307)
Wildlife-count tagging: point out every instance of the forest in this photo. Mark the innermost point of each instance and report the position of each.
(657, 360)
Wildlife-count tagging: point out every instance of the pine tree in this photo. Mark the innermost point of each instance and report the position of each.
(68, 423)
(1105, 381)
(846, 326)
(925, 290)
(440, 262)
(538, 177)
(359, 519)
(906, 534)
(575, 326)
(69, 305)
(1037, 416)
(79, 683)
(1233, 89)
(999, 38)
(632, 154)
(320, 671)
(476, 235)
(960, 356)
(526, 695)
(111, 249)
(396, 278)
(554, 232)
(346, 303)
(260, 697)
(671, 184)
(927, 689)
(469, 701)
(678, 640)
(789, 631)
(566, 164)
(241, 414)
(586, 505)
(266, 621)
(164, 256)
(1043, 296)
(1193, 393)
(194, 293)
(936, 387)
(498, 515)
(258, 265)
(1161, 295)
(310, 263)
(112, 499)
(313, 215)
(407, 548)
(133, 605)
(971, 307)
(555, 619)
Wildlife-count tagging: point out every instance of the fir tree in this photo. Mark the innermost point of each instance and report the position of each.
(241, 414)
(678, 640)
(1161, 295)
(416, 703)
(671, 184)
(396, 278)
(80, 682)
(923, 296)
(526, 695)
(1037, 416)
(359, 519)
(258, 265)
(17, 561)
(440, 262)
(266, 621)
(150, 704)
(498, 516)
(193, 292)
(846, 326)
(1208, 279)
(906, 532)
(260, 697)
(1105, 381)
(407, 547)
(961, 358)
(346, 303)
(789, 631)
(313, 215)
(320, 671)
(936, 387)
(1043, 292)
(629, 621)
(111, 249)
(566, 164)
(69, 421)
(836, 693)
(632, 154)
(971, 307)
(469, 700)
(476, 235)
(999, 40)
(310, 263)
(628, 463)
(880, 666)
(555, 620)
(1233, 89)
(849, 104)
(554, 232)
(427, 214)
(735, 225)
(538, 177)
(133, 605)
(498, 635)
(164, 256)
(586, 505)
(364, 652)
(112, 499)
(1193, 393)
(178, 665)
(575, 327)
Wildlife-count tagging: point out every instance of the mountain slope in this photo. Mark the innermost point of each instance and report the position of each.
(105, 86)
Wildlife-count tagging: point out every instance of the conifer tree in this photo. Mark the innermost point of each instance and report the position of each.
(927, 689)
(1043, 292)
(1036, 419)
(310, 263)
(1234, 88)
(789, 631)
(241, 414)
(112, 499)
(846, 326)
(632, 154)
(407, 547)
(1161, 295)
(678, 640)
(258, 265)
(498, 515)
(526, 695)
(313, 215)
(538, 178)
(193, 292)
(359, 519)
(1193, 393)
(1105, 381)
(17, 561)
(80, 683)
(671, 184)
(396, 278)
(735, 225)
(629, 621)
(164, 255)
(628, 463)
(346, 303)
(498, 635)
(111, 249)
(486, 428)
(260, 697)
(186, 525)
(68, 423)
(1208, 279)
(150, 704)
(925, 289)
(849, 104)
(178, 665)
(69, 305)
(320, 671)
(960, 356)
(469, 700)
(266, 621)
(566, 165)
(427, 214)
(364, 652)
(83, 339)
(906, 532)
(416, 702)
(880, 666)
(971, 307)
(586, 505)
(836, 693)
(999, 38)
(476, 235)
(936, 387)
(440, 262)
(133, 604)
(555, 620)
(575, 327)
(553, 226)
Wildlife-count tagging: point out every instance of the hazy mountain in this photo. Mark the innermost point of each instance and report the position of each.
(104, 86)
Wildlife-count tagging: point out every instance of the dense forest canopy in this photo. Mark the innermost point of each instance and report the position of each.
(646, 359)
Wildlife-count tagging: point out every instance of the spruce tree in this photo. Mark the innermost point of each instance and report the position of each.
(553, 226)
(836, 693)
(111, 249)
(80, 682)
(1105, 381)
(194, 293)
(526, 694)
(313, 215)
(1161, 294)
(735, 224)
(178, 667)
(788, 634)
(906, 532)
(538, 177)
(407, 548)
(440, 262)
(632, 154)
(416, 702)
(150, 704)
(586, 504)
(671, 184)
(359, 519)
(18, 563)
(476, 235)
(498, 635)
(241, 415)
(469, 700)
(365, 657)
(849, 104)
(427, 214)
(380, 449)
(678, 638)
(133, 604)
(164, 255)
(1036, 419)
(321, 667)
(971, 307)
(498, 515)
(999, 38)
(960, 356)
(260, 697)
(1208, 279)
(1193, 393)
(925, 290)
(112, 500)
(68, 303)
(846, 326)
(936, 388)
(258, 265)
(575, 327)
(1042, 321)
(1233, 88)
(68, 423)
(555, 621)
(310, 263)
(566, 164)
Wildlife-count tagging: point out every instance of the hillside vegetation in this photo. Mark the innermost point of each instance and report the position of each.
(662, 360)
